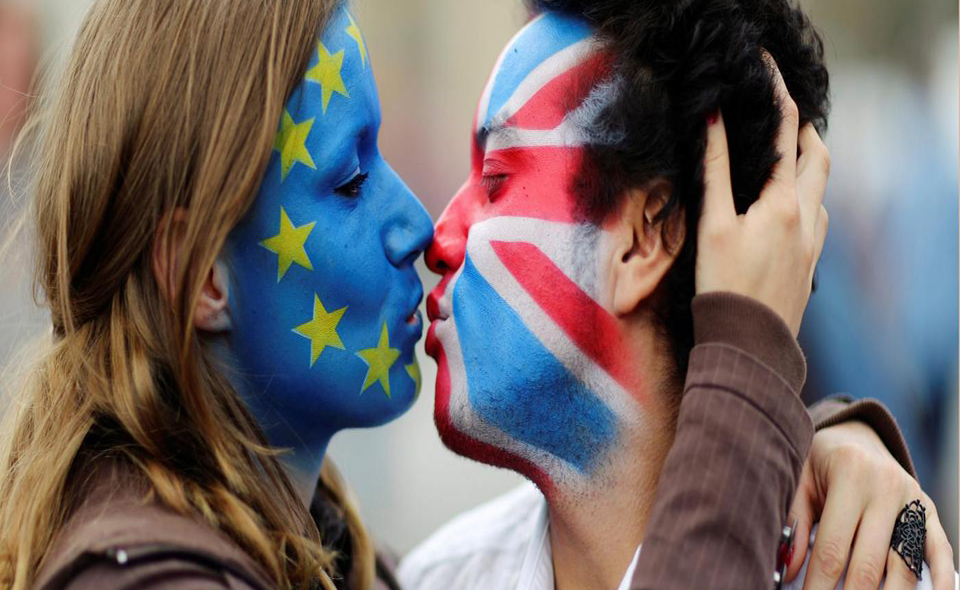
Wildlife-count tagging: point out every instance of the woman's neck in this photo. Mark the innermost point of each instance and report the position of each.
(305, 451)
(594, 533)
(303, 475)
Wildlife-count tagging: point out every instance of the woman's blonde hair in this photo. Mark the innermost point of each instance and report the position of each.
(165, 105)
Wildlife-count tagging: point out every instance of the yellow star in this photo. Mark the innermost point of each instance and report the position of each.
(327, 74)
(413, 369)
(291, 142)
(288, 245)
(354, 31)
(379, 360)
(322, 329)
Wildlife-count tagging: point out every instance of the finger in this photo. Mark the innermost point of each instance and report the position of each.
(841, 514)
(813, 170)
(871, 548)
(899, 576)
(939, 553)
(820, 233)
(805, 511)
(718, 191)
(786, 168)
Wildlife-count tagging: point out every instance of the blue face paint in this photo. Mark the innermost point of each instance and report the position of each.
(519, 386)
(324, 294)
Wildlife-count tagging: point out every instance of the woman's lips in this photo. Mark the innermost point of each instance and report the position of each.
(414, 318)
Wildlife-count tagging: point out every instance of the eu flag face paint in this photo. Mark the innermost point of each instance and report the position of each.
(324, 294)
(534, 371)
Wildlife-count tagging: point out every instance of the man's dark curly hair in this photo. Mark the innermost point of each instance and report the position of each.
(674, 63)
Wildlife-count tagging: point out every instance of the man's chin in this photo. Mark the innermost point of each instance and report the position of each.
(467, 446)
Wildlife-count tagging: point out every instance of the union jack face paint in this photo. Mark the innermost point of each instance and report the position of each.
(534, 370)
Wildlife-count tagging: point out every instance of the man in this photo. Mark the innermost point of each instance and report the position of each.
(560, 328)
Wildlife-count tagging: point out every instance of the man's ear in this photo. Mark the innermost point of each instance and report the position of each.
(212, 312)
(641, 257)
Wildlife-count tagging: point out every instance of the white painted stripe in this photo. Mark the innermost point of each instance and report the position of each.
(551, 68)
(566, 134)
(620, 401)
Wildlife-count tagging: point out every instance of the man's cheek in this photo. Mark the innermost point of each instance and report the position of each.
(516, 380)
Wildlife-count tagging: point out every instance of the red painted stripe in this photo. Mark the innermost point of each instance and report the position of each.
(593, 329)
(549, 105)
(540, 183)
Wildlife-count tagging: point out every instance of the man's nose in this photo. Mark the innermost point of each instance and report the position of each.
(449, 245)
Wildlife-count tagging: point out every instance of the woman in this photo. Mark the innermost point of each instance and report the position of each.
(206, 277)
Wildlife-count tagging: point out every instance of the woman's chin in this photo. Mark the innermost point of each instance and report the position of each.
(401, 400)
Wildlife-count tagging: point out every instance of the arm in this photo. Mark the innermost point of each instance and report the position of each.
(744, 433)
(839, 409)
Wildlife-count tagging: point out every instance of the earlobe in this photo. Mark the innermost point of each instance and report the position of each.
(213, 308)
(641, 258)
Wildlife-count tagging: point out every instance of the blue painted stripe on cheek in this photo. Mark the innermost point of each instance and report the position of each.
(518, 385)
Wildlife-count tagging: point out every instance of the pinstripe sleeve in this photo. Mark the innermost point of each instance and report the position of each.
(742, 437)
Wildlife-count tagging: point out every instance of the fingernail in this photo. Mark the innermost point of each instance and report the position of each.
(789, 560)
(712, 117)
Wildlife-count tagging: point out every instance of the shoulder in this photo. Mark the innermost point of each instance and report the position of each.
(118, 538)
(489, 540)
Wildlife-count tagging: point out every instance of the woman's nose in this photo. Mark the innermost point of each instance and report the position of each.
(449, 245)
(411, 231)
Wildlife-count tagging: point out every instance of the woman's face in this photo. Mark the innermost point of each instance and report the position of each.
(323, 292)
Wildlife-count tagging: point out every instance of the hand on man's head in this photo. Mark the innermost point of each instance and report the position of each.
(770, 252)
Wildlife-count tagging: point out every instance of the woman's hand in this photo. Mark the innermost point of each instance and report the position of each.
(770, 252)
(856, 489)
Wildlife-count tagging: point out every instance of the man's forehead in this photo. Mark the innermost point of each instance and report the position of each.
(533, 81)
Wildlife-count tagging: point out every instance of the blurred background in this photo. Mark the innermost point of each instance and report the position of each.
(883, 322)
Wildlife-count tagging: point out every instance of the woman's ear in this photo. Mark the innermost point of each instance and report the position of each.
(641, 256)
(212, 312)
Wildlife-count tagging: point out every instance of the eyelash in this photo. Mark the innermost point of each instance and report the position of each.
(492, 183)
(352, 188)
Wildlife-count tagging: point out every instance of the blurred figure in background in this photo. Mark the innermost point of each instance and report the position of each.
(18, 59)
(19, 54)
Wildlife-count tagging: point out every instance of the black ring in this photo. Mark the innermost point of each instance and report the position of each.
(910, 536)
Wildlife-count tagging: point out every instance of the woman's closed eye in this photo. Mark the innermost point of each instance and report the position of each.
(352, 188)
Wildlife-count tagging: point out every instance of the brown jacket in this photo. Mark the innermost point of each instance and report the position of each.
(722, 498)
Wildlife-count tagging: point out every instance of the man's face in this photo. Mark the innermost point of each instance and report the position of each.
(532, 372)
(324, 295)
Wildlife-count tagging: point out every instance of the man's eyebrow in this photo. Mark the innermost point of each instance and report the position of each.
(484, 132)
(495, 127)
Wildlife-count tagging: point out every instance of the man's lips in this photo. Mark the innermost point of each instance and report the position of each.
(437, 307)
(433, 307)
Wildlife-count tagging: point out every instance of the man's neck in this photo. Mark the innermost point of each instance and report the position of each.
(594, 534)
